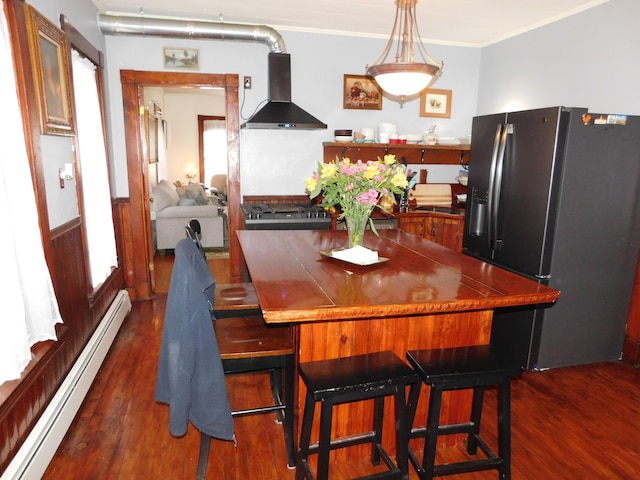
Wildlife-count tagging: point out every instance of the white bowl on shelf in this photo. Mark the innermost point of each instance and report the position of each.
(414, 137)
(448, 141)
(344, 138)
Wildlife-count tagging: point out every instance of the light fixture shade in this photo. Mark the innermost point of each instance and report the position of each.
(403, 79)
(403, 76)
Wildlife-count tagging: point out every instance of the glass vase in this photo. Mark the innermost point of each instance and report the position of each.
(356, 225)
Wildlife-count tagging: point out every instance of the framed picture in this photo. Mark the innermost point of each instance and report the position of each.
(435, 103)
(361, 92)
(182, 58)
(50, 60)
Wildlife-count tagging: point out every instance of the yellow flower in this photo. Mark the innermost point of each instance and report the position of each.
(371, 171)
(389, 159)
(400, 180)
(328, 170)
(311, 184)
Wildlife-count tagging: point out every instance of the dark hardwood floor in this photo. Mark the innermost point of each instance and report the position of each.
(570, 423)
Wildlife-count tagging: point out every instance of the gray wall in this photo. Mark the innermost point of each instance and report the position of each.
(587, 60)
(278, 162)
(57, 150)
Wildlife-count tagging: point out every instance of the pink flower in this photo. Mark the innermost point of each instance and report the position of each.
(368, 198)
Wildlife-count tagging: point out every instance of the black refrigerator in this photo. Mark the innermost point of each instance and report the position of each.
(554, 195)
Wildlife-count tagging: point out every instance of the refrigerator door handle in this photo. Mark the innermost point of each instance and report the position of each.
(497, 165)
(492, 181)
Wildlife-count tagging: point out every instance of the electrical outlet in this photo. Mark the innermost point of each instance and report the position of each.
(247, 83)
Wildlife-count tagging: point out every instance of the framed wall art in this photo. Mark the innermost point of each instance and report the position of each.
(361, 92)
(435, 103)
(50, 61)
(181, 58)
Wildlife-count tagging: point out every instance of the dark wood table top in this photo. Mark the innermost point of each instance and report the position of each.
(295, 283)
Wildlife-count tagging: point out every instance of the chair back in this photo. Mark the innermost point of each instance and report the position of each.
(193, 231)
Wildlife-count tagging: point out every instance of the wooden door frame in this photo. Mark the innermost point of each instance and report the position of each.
(139, 225)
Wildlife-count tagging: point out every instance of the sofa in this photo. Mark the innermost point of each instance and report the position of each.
(175, 206)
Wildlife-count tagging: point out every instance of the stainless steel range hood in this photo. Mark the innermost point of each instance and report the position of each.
(280, 112)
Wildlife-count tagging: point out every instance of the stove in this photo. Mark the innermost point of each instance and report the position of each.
(285, 216)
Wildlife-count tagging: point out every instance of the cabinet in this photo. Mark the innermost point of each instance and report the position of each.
(447, 230)
(412, 153)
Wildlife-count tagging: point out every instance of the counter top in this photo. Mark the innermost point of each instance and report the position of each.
(295, 283)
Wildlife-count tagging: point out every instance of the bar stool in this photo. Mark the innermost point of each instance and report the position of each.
(460, 368)
(349, 379)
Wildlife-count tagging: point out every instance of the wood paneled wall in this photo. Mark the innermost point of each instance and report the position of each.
(23, 401)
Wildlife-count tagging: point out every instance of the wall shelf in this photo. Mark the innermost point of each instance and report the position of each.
(412, 153)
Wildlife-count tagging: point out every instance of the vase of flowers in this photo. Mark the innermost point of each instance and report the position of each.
(356, 187)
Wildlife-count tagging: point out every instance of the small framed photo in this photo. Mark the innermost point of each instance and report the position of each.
(181, 58)
(435, 103)
(50, 60)
(361, 92)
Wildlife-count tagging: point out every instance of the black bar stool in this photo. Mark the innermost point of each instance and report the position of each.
(460, 368)
(361, 377)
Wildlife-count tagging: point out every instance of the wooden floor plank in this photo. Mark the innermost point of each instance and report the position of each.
(569, 423)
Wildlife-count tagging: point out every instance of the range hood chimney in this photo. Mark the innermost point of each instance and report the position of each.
(280, 112)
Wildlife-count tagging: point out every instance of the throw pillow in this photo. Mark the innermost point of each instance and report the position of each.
(196, 192)
(164, 196)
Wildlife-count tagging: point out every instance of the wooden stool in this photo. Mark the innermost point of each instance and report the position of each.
(463, 368)
(349, 379)
(248, 345)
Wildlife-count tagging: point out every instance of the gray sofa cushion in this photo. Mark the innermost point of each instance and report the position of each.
(184, 201)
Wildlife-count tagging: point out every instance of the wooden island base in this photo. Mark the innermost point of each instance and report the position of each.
(323, 340)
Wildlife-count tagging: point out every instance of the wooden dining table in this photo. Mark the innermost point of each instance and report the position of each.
(417, 295)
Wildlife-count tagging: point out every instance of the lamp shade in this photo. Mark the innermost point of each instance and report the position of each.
(403, 79)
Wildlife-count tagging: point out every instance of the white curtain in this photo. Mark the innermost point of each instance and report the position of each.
(28, 302)
(93, 164)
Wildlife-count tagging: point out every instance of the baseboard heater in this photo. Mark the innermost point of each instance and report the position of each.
(34, 456)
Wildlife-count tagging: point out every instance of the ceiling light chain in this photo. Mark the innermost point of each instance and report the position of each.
(405, 77)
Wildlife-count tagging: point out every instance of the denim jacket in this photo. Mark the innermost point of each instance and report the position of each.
(190, 375)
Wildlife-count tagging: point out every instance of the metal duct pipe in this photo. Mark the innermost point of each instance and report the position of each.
(155, 27)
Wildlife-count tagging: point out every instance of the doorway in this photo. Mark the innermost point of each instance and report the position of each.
(140, 271)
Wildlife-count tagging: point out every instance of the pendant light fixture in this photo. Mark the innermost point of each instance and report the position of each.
(404, 76)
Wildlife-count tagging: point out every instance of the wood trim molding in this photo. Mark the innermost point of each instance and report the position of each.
(140, 219)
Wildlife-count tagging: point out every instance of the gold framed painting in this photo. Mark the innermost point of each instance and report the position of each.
(435, 103)
(50, 61)
(361, 92)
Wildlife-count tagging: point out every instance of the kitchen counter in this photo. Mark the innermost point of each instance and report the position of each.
(423, 296)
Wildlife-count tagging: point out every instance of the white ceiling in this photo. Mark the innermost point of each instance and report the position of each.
(453, 22)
